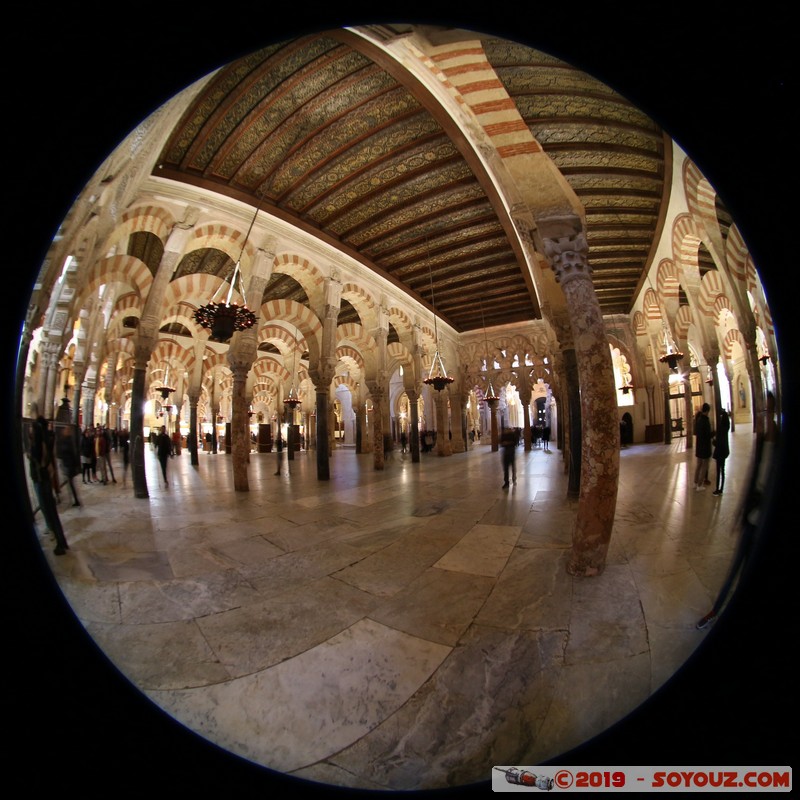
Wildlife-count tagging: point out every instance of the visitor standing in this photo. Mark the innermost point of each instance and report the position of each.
(702, 447)
(163, 451)
(721, 449)
(508, 445)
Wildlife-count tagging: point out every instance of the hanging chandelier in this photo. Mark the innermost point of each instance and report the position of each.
(437, 377)
(292, 400)
(165, 390)
(490, 397)
(671, 355)
(223, 318)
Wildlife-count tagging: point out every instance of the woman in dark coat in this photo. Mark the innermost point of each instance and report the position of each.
(721, 449)
(87, 454)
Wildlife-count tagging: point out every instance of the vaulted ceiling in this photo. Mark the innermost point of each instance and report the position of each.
(337, 138)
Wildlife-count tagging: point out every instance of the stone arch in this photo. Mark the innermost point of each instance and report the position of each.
(638, 324)
(668, 280)
(123, 269)
(737, 256)
(347, 352)
(358, 336)
(732, 337)
(683, 321)
(302, 317)
(399, 355)
(700, 198)
(686, 238)
(711, 289)
(309, 276)
(195, 289)
(403, 324)
(362, 301)
(267, 366)
(145, 218)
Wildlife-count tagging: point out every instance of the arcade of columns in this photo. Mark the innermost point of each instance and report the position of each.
(78, 332)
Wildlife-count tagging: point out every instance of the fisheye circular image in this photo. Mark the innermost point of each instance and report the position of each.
(394, 400)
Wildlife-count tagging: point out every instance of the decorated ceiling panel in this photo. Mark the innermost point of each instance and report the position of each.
(321, 132)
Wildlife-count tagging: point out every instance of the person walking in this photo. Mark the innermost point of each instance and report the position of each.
(508, 445)
(66, 447)
(721, 449)
(163, 451)
(702, 447)
(87, 453)
(101, 451)
(123, 439)
(108, 469)
(42, 464)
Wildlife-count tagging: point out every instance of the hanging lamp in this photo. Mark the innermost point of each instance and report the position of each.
(672, 355)
(223, 318)
(490, 397)
(165, 390)
(437, 377)
(292, 400)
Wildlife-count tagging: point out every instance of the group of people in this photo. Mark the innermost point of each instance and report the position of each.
(711, 444)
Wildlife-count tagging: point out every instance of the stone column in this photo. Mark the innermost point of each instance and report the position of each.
(191, 441)
(568, 253)
(323, 430)
(413, 432)
(572, 434)
(443, 447)
(688, 412)
(49, 379)
(492, 403)
(377, 395)
(667, 408)
(240, 441)
(458, 442)
(88, 395)
(111, 370)
(141, 357)
(524, 391)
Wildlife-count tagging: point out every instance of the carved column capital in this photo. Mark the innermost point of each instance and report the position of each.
(569, 256)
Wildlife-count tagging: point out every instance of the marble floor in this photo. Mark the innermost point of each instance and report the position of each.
(403, 629)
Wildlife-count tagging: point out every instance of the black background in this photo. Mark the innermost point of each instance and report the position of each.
(78, 79)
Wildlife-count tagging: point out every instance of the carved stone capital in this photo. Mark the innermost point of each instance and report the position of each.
(569, 256)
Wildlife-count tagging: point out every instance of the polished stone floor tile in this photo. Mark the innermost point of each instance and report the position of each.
(402, 628)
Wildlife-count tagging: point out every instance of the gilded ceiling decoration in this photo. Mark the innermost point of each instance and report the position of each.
(322, 135)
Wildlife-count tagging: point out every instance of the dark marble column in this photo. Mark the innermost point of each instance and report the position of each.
(137, 444)
(191, 441)
(413, 431)
(323, 433)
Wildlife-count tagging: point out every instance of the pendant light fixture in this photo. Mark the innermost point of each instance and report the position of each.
(165, 390)
(490, 397)
(293, 400)
(223, 318)
(437, 377)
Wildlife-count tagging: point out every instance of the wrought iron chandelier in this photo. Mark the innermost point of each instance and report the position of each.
(223, 318)
(437, 377)
(165, 390)
(671, 355)
(490, 397)
(292, 400)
